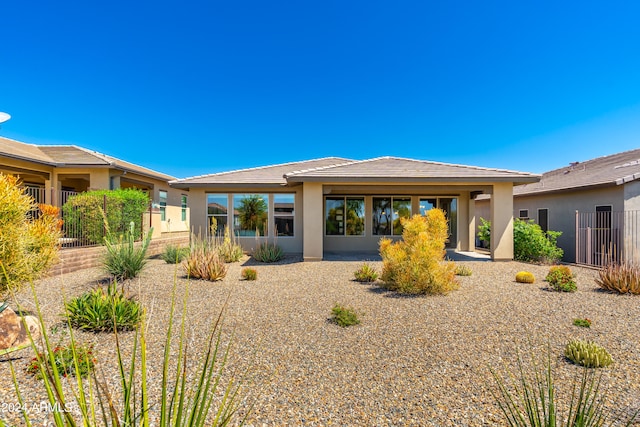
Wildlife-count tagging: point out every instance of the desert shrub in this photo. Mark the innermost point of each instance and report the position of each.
(198, 387)
(28, 246)
(203, 261)
(123, 258)
(174, 254)
(583, 323)
(415, 265)
(530, 399)
(229, 250)
(86, 213)
(560, 278)
(344, 316)
(525, 277)
(588, 354)
(103, 310)
(249, 273)
(365, 273)
(623, 278)
(63, 359)
(463, 270)
(268, 252)
(530, 243)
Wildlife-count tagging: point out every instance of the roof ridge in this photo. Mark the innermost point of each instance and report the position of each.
(317, 168)
(255, 168)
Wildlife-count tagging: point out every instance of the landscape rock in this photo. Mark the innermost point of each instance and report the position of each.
(23, 336)
(10, 326)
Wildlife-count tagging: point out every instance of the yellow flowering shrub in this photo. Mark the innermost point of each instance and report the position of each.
(415, 265)
(28, 246)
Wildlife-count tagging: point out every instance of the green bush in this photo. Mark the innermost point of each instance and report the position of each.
(174, 254)
(560, 278)
(28, 246)
(530, 243)
(344, 316)
(415, 265)
(365, 273)
(64, 360)
(484, 232)
(103, 310)
(86, 213)
(583, 323)
(268, 252)
(588, 354)
(123, 258)
(249, 273)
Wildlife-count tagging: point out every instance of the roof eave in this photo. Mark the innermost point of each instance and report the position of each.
(404, 180)
(222, 185)
(27, 159)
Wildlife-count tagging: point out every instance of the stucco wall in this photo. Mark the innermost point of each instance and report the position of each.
(562, 211)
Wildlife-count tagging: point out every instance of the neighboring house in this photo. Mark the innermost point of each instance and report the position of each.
(594, 204)
(54, 172)
(339, 205)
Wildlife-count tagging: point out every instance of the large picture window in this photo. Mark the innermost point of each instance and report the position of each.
(217, 208)
(283, 213)
(344, 216)
(387, 213)
(250, 214)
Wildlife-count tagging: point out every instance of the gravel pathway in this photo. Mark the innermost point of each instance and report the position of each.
(420, 361)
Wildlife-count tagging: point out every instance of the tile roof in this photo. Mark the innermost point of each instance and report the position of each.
(70, 155)
(614, 169)
(335, 169)
(263, 175)
(395, 169)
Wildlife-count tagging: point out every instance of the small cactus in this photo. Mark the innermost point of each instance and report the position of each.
(249, 273)
(525, 277)
(588, 354)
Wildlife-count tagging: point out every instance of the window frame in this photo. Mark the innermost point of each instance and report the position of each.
(225, 215)
(235, 218)
(277, 214)
(524, 216)
(363, 217)
(183, 207)
(393, 213)
(162, 202)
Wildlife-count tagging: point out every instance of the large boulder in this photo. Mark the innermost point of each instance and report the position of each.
(10, 326)
(12, 329)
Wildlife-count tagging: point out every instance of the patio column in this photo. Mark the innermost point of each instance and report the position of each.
(469, 244)
(502, 222)
(463, 231)
(312, 219)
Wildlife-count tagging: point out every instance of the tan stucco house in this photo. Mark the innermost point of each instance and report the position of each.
(333, 204)
(52, 172)
(594, 203)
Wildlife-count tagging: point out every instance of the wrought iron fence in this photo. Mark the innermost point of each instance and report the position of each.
(607, 236)
(81, 226)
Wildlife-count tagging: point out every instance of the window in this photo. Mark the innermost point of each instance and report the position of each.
(427, 204)
(524, 214)
(283, 213)
(543, 219)
(344, 216)
(217, 209)
(387, 212)
(163, 205)
(250, 214)
(183, 205)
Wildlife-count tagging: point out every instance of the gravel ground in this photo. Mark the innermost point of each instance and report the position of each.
(412, 360)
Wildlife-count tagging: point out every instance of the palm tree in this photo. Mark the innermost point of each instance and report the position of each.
(252, 213)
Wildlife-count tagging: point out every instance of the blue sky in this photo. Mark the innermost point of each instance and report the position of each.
(195, 87)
